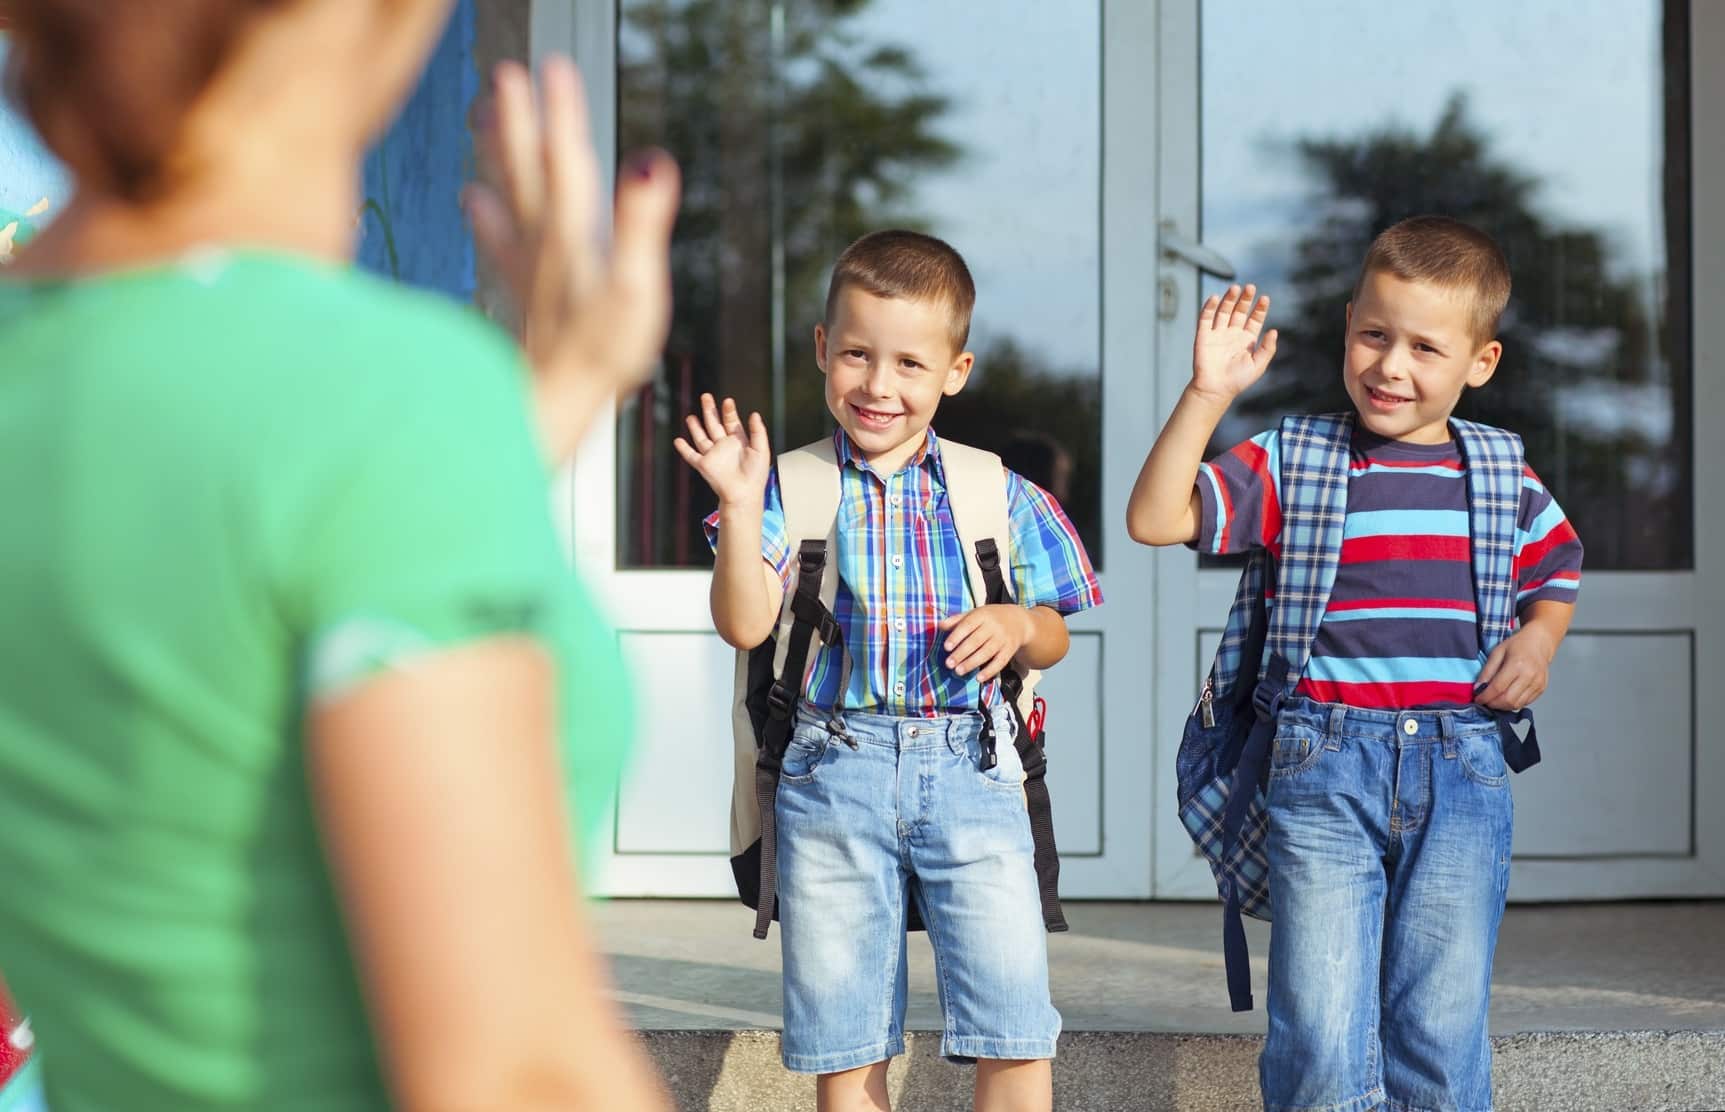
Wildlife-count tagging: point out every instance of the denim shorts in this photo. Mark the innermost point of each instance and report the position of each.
(889, 810)
(1389, 841)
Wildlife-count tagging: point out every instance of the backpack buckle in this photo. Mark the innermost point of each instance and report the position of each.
(1267, 700)
(811, 558)
(986, 736)
(812, 611)
(1272, 690)
(987, 555)
(779, 701)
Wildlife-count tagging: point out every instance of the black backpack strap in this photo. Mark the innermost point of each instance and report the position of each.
(1030, 754)
(809, 617)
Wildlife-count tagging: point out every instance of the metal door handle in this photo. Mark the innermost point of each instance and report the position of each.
(1182, 249)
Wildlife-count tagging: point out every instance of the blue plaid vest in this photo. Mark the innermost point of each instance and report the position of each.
(1223, 762)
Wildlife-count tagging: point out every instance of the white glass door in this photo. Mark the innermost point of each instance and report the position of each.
(1575, 133)
(799, 129)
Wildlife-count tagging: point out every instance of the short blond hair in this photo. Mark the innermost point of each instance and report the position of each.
(910, 265)
(1445, 252)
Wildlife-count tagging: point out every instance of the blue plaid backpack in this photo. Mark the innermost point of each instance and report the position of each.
(1223, 764)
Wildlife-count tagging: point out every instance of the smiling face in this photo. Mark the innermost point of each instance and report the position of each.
(1410, 353)
(888, 361)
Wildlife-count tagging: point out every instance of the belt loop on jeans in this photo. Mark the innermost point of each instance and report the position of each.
(1338, 719)
(954, 731)
(1446, 722)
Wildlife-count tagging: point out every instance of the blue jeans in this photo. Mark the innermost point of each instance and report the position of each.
(856, 826)
(1388, 846)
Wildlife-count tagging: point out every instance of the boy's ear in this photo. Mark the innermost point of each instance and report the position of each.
(1485, 364)
(959, 373)
(821, 347)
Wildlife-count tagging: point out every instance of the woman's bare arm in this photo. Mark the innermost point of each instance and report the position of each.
(439, 792)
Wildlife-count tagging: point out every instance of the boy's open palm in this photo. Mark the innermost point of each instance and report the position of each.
(734, 459)
(1228, 354)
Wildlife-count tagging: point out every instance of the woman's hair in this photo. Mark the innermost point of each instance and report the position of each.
(109, 85)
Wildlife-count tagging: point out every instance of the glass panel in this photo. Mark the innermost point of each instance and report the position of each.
(1560, 127)
(802, 125)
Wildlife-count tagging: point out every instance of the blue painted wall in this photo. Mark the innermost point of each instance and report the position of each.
(413, 228)
(28, 175)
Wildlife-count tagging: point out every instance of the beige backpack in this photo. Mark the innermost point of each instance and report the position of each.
(771, 678)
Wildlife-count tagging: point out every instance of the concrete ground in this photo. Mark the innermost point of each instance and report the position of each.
(1612, 1007)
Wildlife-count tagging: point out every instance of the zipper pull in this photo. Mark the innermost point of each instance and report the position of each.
(1207, 705)
(836, 727)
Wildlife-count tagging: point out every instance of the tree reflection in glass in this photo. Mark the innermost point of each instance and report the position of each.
(803, 125)
(1596, 373)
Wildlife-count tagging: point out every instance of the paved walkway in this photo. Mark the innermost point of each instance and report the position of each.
(693, 965)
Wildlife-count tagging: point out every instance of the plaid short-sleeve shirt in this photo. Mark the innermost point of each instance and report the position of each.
(901, 570)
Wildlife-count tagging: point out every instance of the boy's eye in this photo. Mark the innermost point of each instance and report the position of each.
(1427, 347)
(855, 353)
(910, 364)
(1371, 334)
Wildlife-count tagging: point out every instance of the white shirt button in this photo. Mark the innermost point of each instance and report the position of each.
(899, 625)
(1410, 727)
(898, 688)
(898, 561)
(897, 499)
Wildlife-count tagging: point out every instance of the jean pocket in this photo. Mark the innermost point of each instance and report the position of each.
(1295, 750)
(1482, 760)
(804, 753)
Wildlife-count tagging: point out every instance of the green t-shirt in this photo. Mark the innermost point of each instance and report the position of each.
(227, 485)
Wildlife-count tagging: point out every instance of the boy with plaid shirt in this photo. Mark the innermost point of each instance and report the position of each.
(899, 799)
(1388, 803)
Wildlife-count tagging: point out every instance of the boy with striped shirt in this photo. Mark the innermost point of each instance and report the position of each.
(1388, 805)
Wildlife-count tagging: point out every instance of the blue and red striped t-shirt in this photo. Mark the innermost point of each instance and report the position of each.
(1401, 630)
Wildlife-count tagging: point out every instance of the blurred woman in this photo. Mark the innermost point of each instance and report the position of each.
(300, 713)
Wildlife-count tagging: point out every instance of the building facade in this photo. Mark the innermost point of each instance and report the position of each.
(1103, 164)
